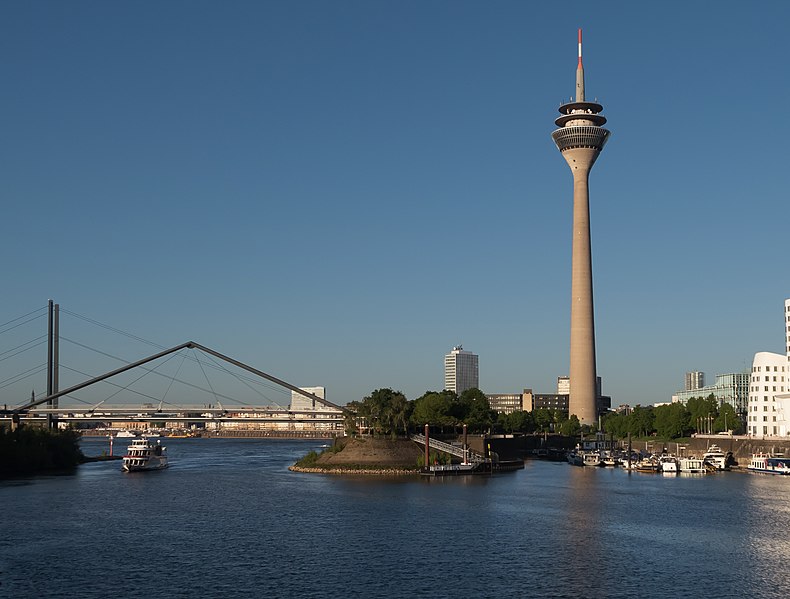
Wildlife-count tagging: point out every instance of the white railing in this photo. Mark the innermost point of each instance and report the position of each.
(469, 455)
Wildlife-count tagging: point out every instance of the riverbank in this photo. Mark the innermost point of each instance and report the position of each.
(360, 471)
(229, 434)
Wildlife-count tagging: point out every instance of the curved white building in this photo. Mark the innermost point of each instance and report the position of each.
(769, 390)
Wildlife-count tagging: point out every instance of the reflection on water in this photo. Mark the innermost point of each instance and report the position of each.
(228, 517)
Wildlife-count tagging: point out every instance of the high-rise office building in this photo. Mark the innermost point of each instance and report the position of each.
(695, 380)
(301, 402)
(461, 370)
(581, 138)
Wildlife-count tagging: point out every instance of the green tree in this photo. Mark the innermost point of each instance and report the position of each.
(543, 420)
(616, 424)
(702, 412)
(728, 420)
(520, 422)
(433, 408)
(570, 427)
(671, 421)
(386, 411)
(480, 416)
(30, 450)
(641, 421)
(503, 423)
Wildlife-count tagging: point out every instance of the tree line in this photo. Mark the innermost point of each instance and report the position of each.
(671, 421)
(388, 412)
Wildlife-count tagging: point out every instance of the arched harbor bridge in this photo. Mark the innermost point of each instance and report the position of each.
(307, 414)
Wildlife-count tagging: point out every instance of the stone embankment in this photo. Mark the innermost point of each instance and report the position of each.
(362, 471)
(742, 447)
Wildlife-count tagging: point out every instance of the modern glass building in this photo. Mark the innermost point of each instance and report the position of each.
(730, 388)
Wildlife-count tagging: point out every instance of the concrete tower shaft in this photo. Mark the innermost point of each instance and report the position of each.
(581, 138)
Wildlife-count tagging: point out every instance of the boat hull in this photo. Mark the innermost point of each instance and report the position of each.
(769, 465)
(131, 467)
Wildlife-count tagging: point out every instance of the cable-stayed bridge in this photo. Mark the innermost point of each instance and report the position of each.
(186, 386)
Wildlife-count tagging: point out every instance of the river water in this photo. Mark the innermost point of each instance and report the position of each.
(228, 519)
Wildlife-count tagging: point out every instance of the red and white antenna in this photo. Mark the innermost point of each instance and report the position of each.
(580, 47)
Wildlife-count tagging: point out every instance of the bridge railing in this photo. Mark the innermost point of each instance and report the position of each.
(471, 456)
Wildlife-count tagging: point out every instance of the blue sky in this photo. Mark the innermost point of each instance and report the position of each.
(339, 192)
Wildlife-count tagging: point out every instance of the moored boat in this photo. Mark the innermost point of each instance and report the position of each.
(143, 454)
(125, 435)
(767, 464)
(647, 465)
(691, 464)
(716, 458)
(575, 458)
(592, 458)
(668, 464)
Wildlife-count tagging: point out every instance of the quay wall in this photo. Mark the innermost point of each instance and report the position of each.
(742, 447)
(256, 434)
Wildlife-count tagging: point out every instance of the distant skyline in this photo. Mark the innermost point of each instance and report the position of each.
(339, 193)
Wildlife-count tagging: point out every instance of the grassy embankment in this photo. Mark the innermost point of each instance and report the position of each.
(365, 455)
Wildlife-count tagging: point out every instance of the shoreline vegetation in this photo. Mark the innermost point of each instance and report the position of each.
(34, 450)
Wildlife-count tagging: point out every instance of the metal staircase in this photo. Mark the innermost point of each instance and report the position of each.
(472, 456)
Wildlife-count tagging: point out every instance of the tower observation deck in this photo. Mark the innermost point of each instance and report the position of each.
(580, 138)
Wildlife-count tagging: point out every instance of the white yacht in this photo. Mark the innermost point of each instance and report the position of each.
(716, 457)
(592, 458)
(125, 435)
(143, 454)
(761, 462)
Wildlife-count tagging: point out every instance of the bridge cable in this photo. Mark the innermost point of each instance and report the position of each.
(113, 329)
(242, 381)
(22, 375)
(252, 379)
(183, 382)
(173, 378)
(40, 341)
(146, 373)
(208, 381)
(192, 358)
(109, 382)
(21, 323)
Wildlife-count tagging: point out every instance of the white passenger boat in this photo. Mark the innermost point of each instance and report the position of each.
(715, 457)
(143, 454)
(125, 435)
(761, 462)
(691, 465)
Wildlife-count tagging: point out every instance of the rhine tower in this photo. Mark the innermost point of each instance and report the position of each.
(581, 138)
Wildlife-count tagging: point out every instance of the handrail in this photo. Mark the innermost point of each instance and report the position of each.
(470, 454)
